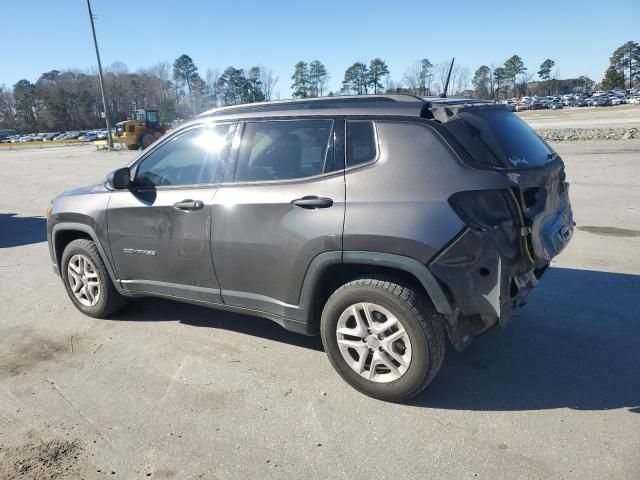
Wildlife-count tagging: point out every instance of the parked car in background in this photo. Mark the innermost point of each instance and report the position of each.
(556, 105)
(601, 101)
(510, 104)
(88, 137)
(536, 104)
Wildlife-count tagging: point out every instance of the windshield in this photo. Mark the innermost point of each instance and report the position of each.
(499, 138)
(152, 117)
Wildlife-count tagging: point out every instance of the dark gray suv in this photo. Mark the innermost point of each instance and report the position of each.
(385, 223)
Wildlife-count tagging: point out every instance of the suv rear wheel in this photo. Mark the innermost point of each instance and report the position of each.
(87, 281)
(385, 339)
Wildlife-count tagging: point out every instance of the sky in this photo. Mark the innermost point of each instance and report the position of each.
(41, 35)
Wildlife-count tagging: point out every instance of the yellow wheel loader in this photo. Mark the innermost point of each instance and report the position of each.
(140, 131)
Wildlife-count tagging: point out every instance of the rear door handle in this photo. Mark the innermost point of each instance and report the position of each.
(189, 205)
(312, 202)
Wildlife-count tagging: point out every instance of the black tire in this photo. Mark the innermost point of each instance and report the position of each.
(132, 146)
(423, 324)
(109, 300)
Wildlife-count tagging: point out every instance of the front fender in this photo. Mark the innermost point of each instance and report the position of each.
(56, 254)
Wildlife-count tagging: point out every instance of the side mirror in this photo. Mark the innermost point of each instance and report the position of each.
(119, 179)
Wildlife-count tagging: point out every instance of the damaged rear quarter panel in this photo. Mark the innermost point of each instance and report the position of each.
(406, 193)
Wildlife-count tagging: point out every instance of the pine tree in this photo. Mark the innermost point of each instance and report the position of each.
(185, 72)
(545, 73)
(300, 79)
(626, 59)
(356, 79)
(513, 67)
(612, 79)
(425, 76)
(481, 82)
(24, 93)
(318, 78)
(377, 71)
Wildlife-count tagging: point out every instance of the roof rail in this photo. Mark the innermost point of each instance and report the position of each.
(322, 102)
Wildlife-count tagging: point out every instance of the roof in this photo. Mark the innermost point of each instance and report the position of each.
(396, 105)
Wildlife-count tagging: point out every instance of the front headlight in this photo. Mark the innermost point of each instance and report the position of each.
(49, 209)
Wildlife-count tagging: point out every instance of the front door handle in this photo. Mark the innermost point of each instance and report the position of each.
(189, 205)
(312, 202)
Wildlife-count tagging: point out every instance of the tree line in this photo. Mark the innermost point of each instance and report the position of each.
(70, 100)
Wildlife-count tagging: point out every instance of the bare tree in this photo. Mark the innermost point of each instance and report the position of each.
(492, 80)
(389, 85)
(523, 86)
(211, 79)
(268, 82)
(441, 71)
(117, 68)
(411, 78)
(162, 70)
(6, 107)
(462, 80)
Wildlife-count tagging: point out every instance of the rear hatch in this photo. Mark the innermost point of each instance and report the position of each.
(498, 139)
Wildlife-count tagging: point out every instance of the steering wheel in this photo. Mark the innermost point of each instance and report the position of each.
(159, 177)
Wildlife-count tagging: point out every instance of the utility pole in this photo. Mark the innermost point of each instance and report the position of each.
(104, 100)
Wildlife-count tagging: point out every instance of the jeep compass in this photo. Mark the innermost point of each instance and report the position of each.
(388, 224)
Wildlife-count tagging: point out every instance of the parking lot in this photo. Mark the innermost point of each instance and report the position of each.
(166, 390)
(627, 116)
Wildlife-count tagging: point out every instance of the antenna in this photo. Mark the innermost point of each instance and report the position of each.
(104, 100)
(446, 85)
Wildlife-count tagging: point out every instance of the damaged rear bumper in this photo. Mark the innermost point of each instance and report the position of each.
(510, 238)
(484, 287)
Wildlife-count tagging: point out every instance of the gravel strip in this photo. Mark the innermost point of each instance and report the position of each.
(572, 134)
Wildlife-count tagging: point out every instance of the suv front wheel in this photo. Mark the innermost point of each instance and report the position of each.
(385, 339)
(87, 281)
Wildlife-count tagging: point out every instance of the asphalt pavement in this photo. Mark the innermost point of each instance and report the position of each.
(173, 391)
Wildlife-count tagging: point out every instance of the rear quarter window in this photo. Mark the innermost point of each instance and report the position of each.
(361, 142)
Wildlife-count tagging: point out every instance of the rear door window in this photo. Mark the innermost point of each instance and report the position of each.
(284, 149)
(499, 138)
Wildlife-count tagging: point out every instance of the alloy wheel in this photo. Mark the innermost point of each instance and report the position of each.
(373, 342)
(83, 280)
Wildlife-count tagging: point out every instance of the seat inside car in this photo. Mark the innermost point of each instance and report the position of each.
(284, 156)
